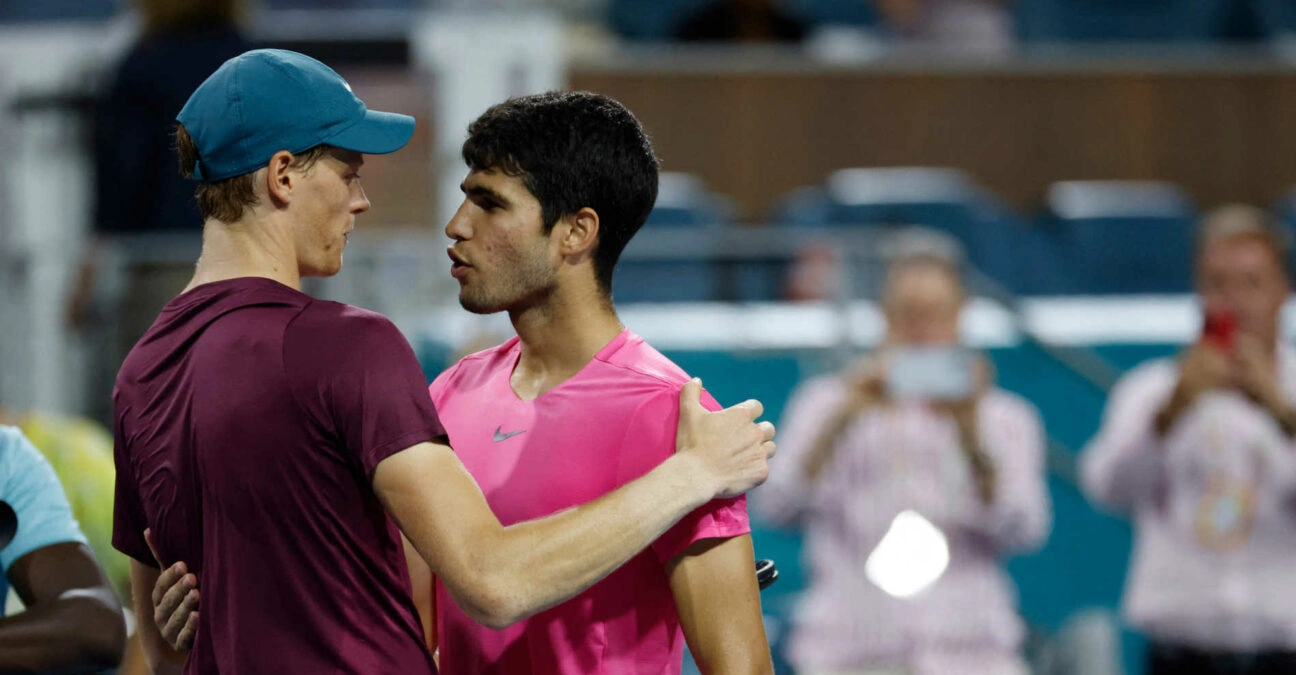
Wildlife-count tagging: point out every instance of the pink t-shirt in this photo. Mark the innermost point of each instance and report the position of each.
(610, 423)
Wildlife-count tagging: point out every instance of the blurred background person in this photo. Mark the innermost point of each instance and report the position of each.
(1200, 450)
(917, 426)
(984, 26)
(72, 619)
(138, 187)
(741, 21)
(80, 452)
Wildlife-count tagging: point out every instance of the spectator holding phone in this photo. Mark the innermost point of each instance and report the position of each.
(916, 427)
(1200, 449)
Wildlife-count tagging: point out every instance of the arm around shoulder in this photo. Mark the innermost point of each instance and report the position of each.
(499, 575)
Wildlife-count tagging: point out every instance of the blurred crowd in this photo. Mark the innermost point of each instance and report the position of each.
(978, 26)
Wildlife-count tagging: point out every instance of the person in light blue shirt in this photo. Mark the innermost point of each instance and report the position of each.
(72, 617)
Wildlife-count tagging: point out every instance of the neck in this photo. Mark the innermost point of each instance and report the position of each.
(559, 336)
(247, 248)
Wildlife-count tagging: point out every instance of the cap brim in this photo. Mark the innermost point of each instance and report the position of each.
(377, 134)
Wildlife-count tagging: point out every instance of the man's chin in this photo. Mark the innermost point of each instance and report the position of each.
(478, 308)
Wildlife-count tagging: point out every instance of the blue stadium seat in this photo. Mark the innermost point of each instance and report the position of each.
(1121, 236)
(946, 200)
(648, 19)
(59, 10)
(1112, 20)
(682, 201)
(1285, 213)
(833, 11)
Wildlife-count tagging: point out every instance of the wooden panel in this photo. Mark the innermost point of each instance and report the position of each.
(754, 136)
(1226, 136)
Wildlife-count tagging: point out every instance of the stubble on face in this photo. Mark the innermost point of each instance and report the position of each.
(520, 278)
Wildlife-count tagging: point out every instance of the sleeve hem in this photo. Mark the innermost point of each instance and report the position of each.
(728, 531)
(375, 457)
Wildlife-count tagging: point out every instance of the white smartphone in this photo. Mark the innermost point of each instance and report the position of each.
(931, 373)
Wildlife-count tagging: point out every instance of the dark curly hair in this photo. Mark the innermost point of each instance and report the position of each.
(573, 150)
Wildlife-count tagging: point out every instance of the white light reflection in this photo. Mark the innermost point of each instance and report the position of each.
(911, 556)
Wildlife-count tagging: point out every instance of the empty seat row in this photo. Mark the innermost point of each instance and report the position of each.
(1091, 237)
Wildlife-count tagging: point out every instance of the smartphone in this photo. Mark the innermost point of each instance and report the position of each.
(1219, 329)
(929, 373)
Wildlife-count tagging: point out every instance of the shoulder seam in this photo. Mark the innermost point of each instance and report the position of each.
(283, 360)
(643, 373)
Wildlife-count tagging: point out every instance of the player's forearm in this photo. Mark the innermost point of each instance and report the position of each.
(77, 632)
(541, 563)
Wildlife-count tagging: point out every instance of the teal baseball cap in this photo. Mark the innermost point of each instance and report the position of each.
(267, 100)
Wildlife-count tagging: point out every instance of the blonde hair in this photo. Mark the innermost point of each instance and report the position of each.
(1243, 221)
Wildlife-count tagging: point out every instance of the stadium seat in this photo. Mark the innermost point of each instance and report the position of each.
(946, 200)
(1121, 236)
(59, 10)
(683, 201)
(1122, 20)
(648, 19)
(1285, 212)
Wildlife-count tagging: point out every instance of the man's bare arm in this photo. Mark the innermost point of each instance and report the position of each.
(422, 592)
(718, 600)
(499, 575)
(72, 620)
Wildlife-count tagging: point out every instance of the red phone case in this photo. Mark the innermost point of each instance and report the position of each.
(1219, 329)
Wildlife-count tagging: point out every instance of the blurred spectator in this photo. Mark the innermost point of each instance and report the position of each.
(138, 187)
(816, 274)
(984, 26)
(80, 452)
(72, 620)
(919, 427)
(741, 21)
(1200, 450)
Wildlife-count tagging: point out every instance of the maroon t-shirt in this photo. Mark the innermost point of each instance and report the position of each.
(249, 420)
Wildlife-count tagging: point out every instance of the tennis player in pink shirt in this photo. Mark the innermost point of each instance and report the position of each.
(576, 405)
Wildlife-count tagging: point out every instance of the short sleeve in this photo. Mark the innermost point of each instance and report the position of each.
(358, 377)
(650, 439)
(129, 518)
(28, 483)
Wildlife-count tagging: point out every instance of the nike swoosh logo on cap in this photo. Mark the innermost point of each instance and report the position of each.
(500, 435)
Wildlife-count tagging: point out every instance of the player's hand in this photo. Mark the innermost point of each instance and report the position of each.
(175, 602)
(731, 448)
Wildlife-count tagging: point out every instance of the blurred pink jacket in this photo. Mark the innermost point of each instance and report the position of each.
(894, 458)
(1214, 561)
